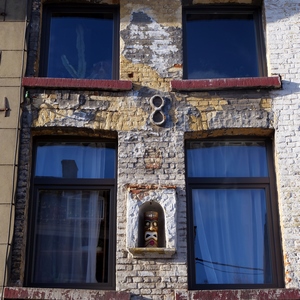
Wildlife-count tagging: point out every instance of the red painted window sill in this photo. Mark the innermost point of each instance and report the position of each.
(258, 294)
(273, 82)
(70, 83)
(44, 293)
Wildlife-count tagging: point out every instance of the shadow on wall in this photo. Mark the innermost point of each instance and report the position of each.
(281, 10)
(288, 88)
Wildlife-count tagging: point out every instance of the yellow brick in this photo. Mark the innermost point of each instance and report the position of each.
(213, 102)
(223, 102)
(195, 123)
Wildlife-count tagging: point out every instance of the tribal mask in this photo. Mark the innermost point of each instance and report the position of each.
(151, 228)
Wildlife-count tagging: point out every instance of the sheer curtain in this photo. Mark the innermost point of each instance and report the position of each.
(230, 230)
(226, 159)
(229, 235)
(68, 225)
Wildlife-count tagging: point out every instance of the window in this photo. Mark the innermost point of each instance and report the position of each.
(232, 213)
(79, 42)
(72, 213)
(223, 42)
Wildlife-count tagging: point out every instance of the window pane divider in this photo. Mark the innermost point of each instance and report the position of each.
(228, 180)
(72, 181)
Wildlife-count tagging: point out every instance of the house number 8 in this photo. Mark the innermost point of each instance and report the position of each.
(157, 117)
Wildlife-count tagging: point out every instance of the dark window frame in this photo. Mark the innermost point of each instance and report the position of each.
(49, 9)
(230, 10)
(266, 183)
(50, 183)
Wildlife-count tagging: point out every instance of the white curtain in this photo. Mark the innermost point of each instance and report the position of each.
(230, 230)
(229, 235)
(68, 225)
(227, 159)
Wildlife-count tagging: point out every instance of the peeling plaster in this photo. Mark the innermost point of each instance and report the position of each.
(159, 44)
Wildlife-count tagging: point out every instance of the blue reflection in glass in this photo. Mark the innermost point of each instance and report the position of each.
(221, 46)
(76, 160)
(80, 46)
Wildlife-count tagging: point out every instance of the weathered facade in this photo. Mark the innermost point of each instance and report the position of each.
(150, 111)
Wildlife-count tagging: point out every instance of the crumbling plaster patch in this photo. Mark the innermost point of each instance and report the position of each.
(87, 111)
(166, 13)
(211, 111)
(160, 45)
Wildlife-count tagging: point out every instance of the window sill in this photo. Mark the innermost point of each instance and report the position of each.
(70, 83)
(152, 252)
(44, 293)
(239, 294)
(273, 82)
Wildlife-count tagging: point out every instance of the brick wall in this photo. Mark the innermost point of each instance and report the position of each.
(150, 57)
(283, 40)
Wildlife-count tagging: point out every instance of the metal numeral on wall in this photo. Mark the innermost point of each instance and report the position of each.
(157, 117)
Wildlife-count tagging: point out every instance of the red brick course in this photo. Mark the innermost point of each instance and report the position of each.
(62, 294)
(266, 294)
(70, 83)
(273, 82)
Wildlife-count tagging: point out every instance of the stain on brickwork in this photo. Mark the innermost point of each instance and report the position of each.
(152, 158)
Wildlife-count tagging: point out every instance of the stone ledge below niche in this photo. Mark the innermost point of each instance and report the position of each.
(142, 252)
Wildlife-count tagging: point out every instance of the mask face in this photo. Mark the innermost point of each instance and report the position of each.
(151, 229)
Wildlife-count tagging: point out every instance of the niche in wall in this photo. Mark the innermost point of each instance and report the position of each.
(162, 199)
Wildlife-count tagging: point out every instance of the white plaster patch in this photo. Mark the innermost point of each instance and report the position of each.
(156, 42)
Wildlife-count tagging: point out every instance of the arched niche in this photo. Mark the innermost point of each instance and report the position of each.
(162, 199)
(151, 206)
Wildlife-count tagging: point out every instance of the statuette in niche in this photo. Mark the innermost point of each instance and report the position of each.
(151, 229)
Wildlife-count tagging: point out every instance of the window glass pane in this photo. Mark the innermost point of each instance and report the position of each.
(80, 45)
(76, 160)
(231, 236)
(227, 159)
(221, 46)
(71, 242)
